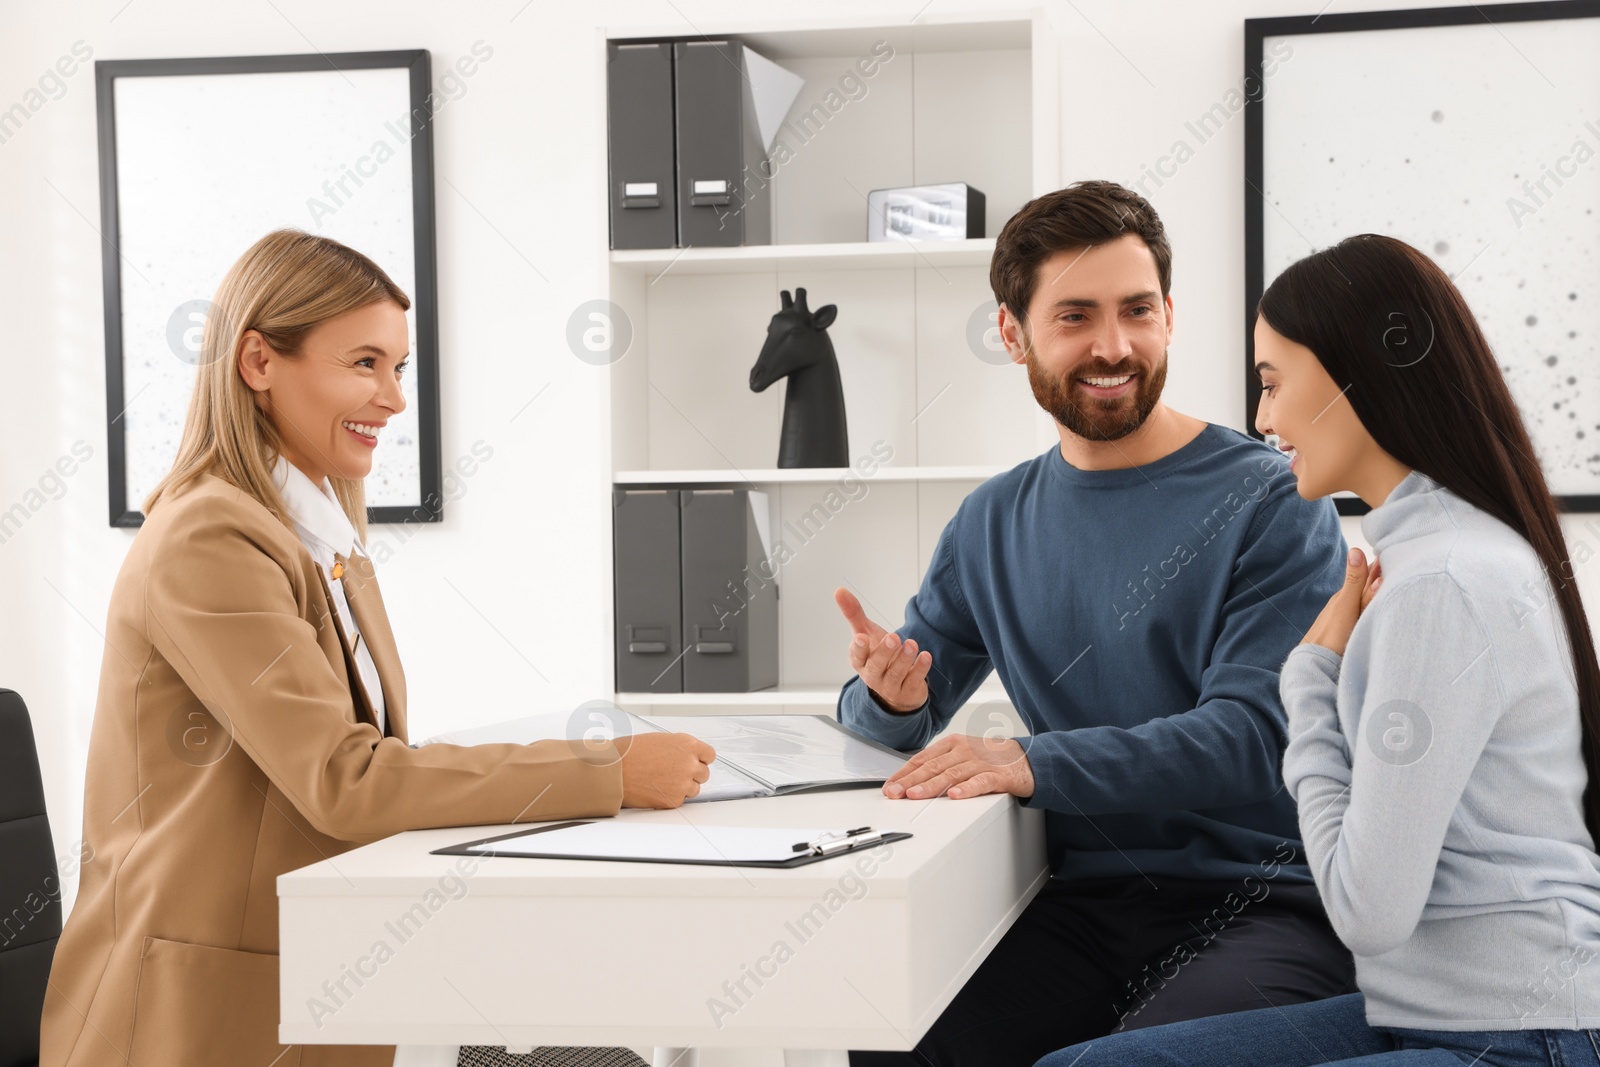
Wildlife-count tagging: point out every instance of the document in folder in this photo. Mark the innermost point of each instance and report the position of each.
(757, 755)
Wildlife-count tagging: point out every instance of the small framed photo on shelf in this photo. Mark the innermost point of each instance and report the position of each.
(951, 212)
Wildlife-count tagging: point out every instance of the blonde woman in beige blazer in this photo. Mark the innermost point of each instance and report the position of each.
(235, 737)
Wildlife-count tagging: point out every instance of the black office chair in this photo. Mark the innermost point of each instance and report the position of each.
(30, 892)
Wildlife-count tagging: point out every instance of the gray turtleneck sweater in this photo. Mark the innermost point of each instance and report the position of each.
(1439, 780)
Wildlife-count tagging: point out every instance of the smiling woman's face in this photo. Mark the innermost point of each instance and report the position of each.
(346, 375)
(1315, 423)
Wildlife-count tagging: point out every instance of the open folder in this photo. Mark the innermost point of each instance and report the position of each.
(638, 842)
(757, 755)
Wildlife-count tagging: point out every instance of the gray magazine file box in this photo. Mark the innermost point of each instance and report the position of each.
(730, 593)
(649, 602)
(644, 191)
(724, 198)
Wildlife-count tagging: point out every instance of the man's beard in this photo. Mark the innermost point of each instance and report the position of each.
(1095, 418)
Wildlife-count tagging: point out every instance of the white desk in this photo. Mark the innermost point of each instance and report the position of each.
(389, 945)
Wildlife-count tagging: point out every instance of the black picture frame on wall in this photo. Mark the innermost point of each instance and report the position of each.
(260, 135)
(1374, 192)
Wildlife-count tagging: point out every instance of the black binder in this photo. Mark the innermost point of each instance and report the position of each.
(644, 201)
(724, 197)
(648, 599)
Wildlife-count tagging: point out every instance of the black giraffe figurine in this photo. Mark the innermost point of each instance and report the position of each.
(798, 348)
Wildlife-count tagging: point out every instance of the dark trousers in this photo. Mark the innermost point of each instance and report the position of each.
(1089, 958)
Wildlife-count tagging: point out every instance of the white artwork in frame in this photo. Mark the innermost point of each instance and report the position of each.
(1472, 134)
(199, 159)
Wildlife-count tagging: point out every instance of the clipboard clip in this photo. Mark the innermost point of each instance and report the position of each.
(839, 841)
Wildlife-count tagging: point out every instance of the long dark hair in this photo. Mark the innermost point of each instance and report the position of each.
(1390, 327)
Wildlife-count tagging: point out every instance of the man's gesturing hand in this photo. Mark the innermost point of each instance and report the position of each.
(893, 670)
(964, 766)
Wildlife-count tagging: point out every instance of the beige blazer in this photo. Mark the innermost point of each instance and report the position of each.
(232, 742)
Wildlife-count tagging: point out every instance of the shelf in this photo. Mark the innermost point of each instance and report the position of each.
(786, 37)
(806, 696)
(804, 475)
(848, 255)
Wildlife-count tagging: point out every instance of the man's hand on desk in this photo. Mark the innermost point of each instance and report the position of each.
(895, 673)
(964, 766)
(663, 770)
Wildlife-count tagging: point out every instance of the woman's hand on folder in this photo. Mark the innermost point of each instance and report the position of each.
(663, 770)
(894, 670)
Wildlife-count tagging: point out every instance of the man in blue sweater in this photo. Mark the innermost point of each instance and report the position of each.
(1137, 590)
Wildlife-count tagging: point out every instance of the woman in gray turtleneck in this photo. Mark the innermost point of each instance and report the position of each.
(1443, 710)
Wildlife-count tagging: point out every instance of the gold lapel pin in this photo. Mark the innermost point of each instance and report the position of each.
(338, 570)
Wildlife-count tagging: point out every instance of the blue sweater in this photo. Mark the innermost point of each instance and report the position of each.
(1138, 619)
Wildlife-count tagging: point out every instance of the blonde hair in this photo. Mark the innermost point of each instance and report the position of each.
(286, 284)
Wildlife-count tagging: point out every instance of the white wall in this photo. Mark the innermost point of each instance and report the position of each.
(519, 159)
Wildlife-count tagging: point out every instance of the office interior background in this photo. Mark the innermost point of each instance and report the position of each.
(504, 607)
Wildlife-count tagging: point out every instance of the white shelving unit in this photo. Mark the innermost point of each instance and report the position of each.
(930, 409)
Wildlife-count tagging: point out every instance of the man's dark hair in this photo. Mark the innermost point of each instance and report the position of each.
(1082, 215)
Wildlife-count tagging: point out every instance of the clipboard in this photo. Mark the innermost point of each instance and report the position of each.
(715, 846)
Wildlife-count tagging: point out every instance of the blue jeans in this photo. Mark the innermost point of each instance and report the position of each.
(1326, 1033)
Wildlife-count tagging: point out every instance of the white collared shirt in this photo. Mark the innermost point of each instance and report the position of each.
(325, 529)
